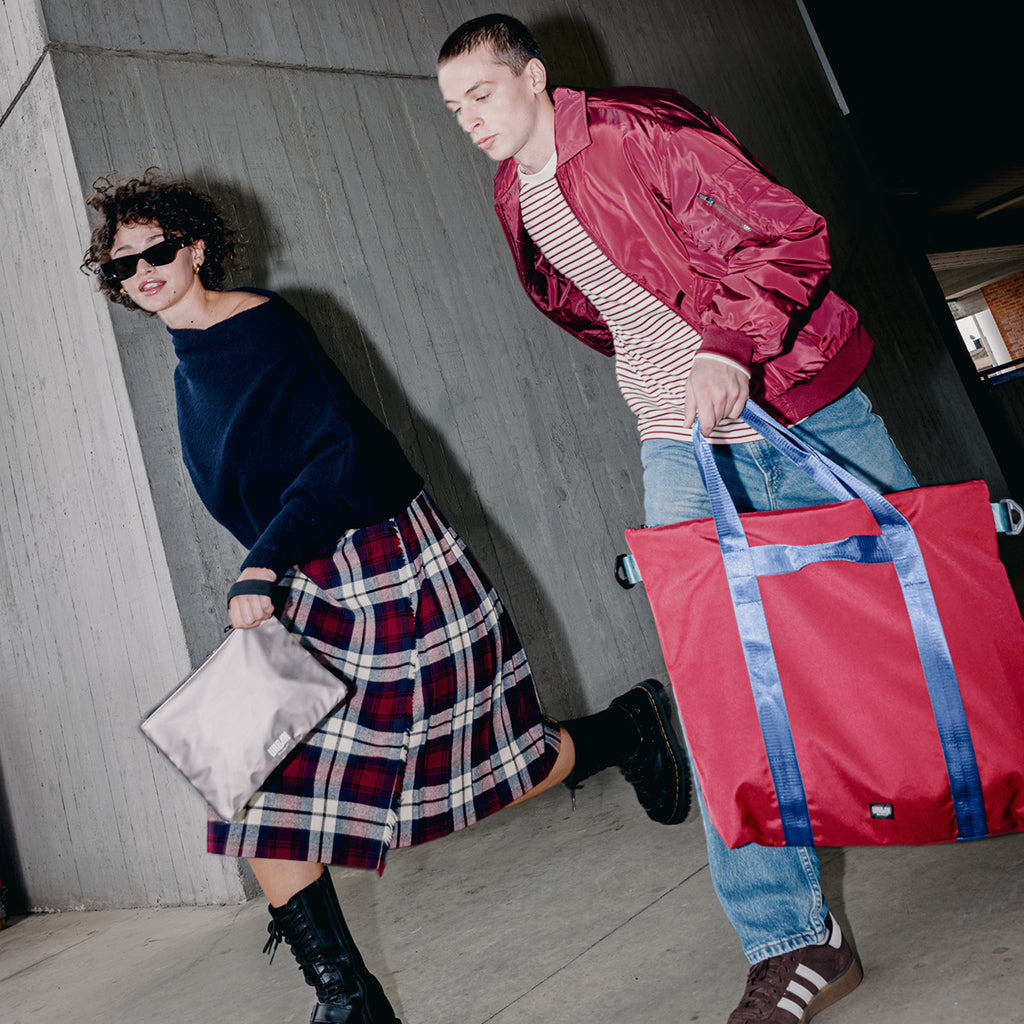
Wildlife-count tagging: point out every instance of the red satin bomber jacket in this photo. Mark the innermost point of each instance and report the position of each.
(672, 198)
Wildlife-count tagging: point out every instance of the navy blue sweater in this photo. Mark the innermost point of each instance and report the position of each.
(280, 450)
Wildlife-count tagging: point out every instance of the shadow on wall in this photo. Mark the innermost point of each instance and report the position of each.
(11, 878)
(349, 345)
(574, 56)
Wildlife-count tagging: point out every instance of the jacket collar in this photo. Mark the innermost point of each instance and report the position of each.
(572, 133)
(572, 136)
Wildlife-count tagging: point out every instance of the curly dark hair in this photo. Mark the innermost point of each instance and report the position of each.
(182, 211)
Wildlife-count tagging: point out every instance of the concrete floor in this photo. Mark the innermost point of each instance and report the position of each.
(543, 915)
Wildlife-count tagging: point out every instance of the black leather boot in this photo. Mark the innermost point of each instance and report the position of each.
(311, 923)
(637, 733)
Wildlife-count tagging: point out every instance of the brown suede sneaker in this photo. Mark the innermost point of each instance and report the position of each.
(794, 987)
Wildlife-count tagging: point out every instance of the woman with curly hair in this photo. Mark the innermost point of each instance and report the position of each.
(444, 725)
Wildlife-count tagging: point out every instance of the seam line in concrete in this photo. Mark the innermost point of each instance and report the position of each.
(24, 85)
(49, 957)
(195, 57)
(583, 952)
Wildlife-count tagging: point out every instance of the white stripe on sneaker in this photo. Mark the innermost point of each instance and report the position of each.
(812, 976)
(800, 992)
(790, 1007)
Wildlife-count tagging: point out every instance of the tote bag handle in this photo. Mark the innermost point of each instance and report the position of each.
(896, 544)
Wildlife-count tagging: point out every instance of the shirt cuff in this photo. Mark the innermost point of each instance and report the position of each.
(718, 357)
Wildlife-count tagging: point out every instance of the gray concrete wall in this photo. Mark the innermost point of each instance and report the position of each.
(320, 127)
(90, 631)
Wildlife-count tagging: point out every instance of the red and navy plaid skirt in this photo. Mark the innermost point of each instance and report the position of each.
(444, 725)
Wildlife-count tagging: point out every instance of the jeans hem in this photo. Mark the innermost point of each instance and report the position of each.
(814, 937)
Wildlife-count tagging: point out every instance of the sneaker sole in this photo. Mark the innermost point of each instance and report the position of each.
(663, 708)
(834, 991)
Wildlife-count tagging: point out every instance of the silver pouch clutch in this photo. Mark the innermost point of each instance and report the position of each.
(242, 712)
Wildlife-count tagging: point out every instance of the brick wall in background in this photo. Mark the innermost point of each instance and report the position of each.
(1006, 301)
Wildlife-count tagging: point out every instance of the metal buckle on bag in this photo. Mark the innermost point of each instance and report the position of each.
(1009, 517)
(627, 572)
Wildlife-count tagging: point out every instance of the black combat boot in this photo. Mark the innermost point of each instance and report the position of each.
(637, 733)
(312, 924)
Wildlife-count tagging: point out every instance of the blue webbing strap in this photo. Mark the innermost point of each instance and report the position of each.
(777, 559)
(896, 544)
(1007, 517)
(757, 651)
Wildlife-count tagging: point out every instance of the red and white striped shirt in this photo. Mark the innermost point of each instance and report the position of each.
(654, 345)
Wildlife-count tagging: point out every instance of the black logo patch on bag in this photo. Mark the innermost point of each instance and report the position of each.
(883, 811)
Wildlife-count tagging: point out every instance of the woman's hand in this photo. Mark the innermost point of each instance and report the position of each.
(248, 610)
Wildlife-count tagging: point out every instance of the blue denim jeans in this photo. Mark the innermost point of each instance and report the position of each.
(771, 895)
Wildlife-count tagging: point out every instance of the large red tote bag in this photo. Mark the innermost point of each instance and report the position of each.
(846, 674)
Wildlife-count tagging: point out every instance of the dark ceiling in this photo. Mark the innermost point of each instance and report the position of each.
(935, 92)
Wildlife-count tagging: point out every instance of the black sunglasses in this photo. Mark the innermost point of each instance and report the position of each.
(158, 255)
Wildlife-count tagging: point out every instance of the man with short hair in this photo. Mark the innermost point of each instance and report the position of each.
(639, 224)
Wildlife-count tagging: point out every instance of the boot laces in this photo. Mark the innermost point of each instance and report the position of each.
(277, 935)
(305, 954)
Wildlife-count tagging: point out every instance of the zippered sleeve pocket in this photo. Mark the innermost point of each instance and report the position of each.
(717, 228)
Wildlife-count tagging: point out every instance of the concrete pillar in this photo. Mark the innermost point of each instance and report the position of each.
(90, 634)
